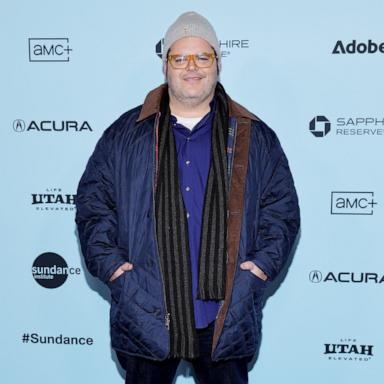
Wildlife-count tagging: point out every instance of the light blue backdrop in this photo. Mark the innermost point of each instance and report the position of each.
(287, 75)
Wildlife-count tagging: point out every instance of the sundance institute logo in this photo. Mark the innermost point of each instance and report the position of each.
(50, 270)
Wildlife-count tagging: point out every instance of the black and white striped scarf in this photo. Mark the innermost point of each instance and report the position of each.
(172, 229)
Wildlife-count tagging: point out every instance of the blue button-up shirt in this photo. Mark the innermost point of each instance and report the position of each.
(194, 159)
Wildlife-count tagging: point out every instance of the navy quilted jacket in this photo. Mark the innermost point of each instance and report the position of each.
(115, 218)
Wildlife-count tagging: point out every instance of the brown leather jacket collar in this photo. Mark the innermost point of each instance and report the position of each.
(152, 105)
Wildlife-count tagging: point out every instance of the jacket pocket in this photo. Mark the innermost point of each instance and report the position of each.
(117, 288)
(257, 286)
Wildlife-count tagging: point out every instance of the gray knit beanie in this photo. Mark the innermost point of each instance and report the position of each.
(191, 24)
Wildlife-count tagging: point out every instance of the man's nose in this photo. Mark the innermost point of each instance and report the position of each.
(191, 65)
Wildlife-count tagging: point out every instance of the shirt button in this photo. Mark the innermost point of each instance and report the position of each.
(187, 215)
(188, 138)
(187, 189)
(187, 162)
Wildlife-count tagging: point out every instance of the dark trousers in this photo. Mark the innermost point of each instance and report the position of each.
(144, 371)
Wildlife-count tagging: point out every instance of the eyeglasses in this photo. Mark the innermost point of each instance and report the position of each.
(201, 60)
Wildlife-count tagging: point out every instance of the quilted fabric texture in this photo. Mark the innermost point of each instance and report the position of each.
(115, 221)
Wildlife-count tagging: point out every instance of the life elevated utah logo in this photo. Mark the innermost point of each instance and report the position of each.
(49, 49)
(348, 349)
(353, 47)
(53, 199)
(352, 203)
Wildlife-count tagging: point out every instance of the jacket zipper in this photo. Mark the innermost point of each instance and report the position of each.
(154, 175)
(167, 320)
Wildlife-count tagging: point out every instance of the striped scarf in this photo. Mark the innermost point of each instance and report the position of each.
(172, 229)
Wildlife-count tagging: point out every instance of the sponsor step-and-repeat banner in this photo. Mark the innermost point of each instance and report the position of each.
(313, 72)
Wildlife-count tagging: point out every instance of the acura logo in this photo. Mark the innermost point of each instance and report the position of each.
(19, 125)
(315, 276)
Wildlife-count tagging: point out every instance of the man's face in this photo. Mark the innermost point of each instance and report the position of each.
(191, 86)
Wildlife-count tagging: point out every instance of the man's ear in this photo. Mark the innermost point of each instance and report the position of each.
(165, 64)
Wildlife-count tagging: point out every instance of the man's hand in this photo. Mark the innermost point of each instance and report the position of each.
(119, 271)
(250, 266)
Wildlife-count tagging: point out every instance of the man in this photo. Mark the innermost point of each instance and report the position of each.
(187, 209)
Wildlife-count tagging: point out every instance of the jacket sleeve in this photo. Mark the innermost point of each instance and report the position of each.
(96, 216)
(279, 218)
